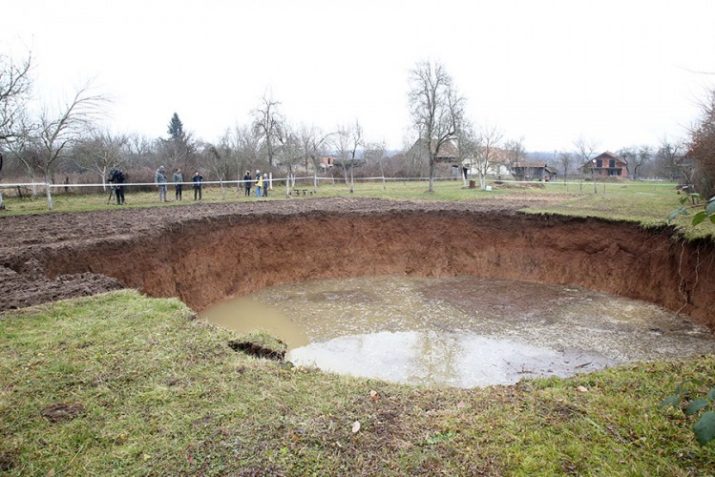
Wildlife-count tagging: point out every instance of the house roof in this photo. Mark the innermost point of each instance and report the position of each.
(538, 164)
(606, 156)
(448, 150)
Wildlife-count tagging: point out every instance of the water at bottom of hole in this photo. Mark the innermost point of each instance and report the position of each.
(461, 331)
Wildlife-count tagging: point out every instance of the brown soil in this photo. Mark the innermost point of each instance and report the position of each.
(62, 411)
(257, 350)
(203, 253)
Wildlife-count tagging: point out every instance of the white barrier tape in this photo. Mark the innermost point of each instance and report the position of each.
(337, 181)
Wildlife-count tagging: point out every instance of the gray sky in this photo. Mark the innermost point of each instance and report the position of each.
(616, 72)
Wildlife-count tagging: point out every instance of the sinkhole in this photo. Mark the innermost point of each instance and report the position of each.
(457, 294)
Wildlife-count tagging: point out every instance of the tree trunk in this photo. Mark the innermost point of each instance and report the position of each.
(288, 182)
(482, 172)
(382, 172)
(47, 190)
(431, 174)
(352, 180)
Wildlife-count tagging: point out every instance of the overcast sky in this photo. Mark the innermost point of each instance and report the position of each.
(616, 72)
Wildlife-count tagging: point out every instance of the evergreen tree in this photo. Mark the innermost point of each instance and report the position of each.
(176, 127)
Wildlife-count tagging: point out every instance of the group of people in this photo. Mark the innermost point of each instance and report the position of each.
(261, 181)
(117, 178)
(178, 180)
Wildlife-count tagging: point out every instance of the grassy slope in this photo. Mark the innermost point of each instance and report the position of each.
(646, 203)
(163, 395)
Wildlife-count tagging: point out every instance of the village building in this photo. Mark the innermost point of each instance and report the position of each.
(327, 162)
(606, 165)
(532, 171)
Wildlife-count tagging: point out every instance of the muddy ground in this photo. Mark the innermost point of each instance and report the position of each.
(206, 252)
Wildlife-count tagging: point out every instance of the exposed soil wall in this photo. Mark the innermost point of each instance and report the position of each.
(202, 260)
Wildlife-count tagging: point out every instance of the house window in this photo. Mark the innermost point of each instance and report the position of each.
(599, 163)
(612, 163)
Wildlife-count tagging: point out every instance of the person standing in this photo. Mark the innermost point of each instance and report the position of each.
(247, 181)
(266, 183)
(117, 179)
(197, 179)
(160, 180)
(259, 183)
(178, 180)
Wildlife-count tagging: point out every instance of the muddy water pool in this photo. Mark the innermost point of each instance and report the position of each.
(463, 331)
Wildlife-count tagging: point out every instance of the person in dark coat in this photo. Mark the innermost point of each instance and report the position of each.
(247, 181)
(117, 179)
(197, 180)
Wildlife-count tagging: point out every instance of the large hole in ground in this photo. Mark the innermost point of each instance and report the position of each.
(204, 261)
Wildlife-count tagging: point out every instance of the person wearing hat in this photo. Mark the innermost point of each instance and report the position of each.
(160, 180)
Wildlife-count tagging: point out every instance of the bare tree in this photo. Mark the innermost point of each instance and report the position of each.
(565, 159)
(24, 149)
(268, 125)
(375, 153)
(100, 153)
(313, 141)
(437, 110)
(290, 155)
(55, 132)
(468, 147)
(348, 140)
(586, 149)
(248, 148)
(218, 160)
(488, 140)
(515, 152)
(669, 158)
(14, 90)
(701, 150)
(636, 158)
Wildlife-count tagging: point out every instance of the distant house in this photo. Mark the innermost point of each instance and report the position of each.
(327, 162)
(606, 164)
(532, 171)
(448, 153)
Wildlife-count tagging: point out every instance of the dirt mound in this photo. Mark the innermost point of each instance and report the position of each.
(204, 253)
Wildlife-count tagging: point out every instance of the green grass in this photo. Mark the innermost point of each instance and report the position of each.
(646, 203)
(158, 394)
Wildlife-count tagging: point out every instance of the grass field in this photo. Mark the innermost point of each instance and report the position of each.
(648, 203)
(121, 384)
